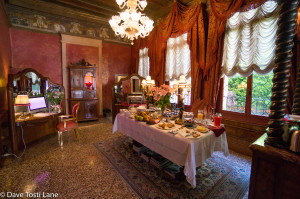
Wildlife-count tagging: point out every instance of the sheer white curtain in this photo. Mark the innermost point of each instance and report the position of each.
(178, 62)
(144, 63)
(249, 43)
(178, 59)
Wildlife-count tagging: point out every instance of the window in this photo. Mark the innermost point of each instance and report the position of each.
(236, 91)
(144, 63)
(178, 62)
(248, 60)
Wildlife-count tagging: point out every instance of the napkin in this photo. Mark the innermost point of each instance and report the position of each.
(218, 130)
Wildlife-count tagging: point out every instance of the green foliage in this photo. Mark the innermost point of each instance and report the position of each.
(261, 90)
(164, 101)
(54, 97)
(262, 86)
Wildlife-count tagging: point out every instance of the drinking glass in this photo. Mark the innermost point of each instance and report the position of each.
(217, 119)
(200, 115)
(207, 118)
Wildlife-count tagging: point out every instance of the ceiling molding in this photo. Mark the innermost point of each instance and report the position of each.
(57, 9)
(37, 21)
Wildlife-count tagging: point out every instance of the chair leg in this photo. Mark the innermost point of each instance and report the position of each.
(76, 133)
(60, 139)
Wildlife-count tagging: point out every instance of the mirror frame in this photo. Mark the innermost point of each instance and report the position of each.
(120, 82)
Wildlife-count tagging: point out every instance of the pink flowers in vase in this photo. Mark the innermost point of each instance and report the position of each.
(162, 95)
(54, 96)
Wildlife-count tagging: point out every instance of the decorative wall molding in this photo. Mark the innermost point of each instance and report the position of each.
(49, 23)
(69, 39)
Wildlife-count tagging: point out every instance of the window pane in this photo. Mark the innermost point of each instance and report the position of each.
(144, 63)
(234, 94)
(261, 94)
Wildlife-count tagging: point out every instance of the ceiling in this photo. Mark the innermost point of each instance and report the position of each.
(103, 9)
(87, 18)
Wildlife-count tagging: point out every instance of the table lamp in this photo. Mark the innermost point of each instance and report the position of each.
(22, 100)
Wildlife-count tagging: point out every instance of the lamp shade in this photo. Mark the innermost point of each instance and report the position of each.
(22, 100)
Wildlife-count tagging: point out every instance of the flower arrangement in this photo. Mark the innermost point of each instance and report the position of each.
(54, 96)
(162, 96)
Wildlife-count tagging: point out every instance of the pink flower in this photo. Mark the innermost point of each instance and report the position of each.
(164, 92)
(156, 98)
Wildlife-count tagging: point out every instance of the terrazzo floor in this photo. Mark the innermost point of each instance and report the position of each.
(77, 170)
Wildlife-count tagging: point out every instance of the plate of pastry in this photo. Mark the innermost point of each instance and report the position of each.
(165, 126)
(202, 129)
(190, 134)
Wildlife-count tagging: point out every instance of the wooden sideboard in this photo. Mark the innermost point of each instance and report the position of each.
(275, 173)
(80, 76)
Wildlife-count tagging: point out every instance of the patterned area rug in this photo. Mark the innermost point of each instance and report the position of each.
(216, 178)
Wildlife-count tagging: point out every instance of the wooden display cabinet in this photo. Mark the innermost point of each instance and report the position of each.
(83, 89)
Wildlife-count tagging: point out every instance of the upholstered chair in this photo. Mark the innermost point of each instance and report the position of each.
(68, 123)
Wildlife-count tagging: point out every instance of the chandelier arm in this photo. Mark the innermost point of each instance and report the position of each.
(131, 23)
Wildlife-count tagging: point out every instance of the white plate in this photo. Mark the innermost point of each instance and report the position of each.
(183, 133)
(207, 130)
(167, 128)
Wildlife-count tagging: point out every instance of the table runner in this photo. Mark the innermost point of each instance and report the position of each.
(190, 153)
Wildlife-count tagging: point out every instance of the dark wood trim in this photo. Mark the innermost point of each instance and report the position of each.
(243, 117)
(3, 9)
(3, 114)
(274, 172)
(249, 96)
(283, 61)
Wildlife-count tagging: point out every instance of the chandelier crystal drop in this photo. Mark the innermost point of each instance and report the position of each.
(131, 23)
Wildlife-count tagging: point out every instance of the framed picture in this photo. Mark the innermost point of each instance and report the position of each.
(118, 77)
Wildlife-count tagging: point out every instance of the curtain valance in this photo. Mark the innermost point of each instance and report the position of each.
(249, 43)
(205, 40)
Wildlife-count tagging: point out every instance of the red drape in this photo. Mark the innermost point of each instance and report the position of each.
(205, 39)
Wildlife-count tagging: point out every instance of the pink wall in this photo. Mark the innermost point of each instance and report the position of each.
(79, 52)
(5, 60)
(115, 60)
(41, 52)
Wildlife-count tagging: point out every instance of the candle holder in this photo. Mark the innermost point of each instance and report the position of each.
(147, 84)
(179, 86)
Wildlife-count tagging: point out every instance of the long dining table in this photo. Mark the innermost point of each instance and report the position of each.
(188, 152)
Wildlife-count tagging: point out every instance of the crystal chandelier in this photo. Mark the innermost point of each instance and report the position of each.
(131, 23)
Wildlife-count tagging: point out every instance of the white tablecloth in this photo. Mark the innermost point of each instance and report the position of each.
(189, 153)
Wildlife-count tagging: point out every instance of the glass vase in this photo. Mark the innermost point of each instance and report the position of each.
(55, 108)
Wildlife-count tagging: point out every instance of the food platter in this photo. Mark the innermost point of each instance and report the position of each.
(165, 126)
(201, 129)
(190, 134)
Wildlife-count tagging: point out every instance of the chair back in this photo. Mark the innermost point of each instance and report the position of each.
(75, 110)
